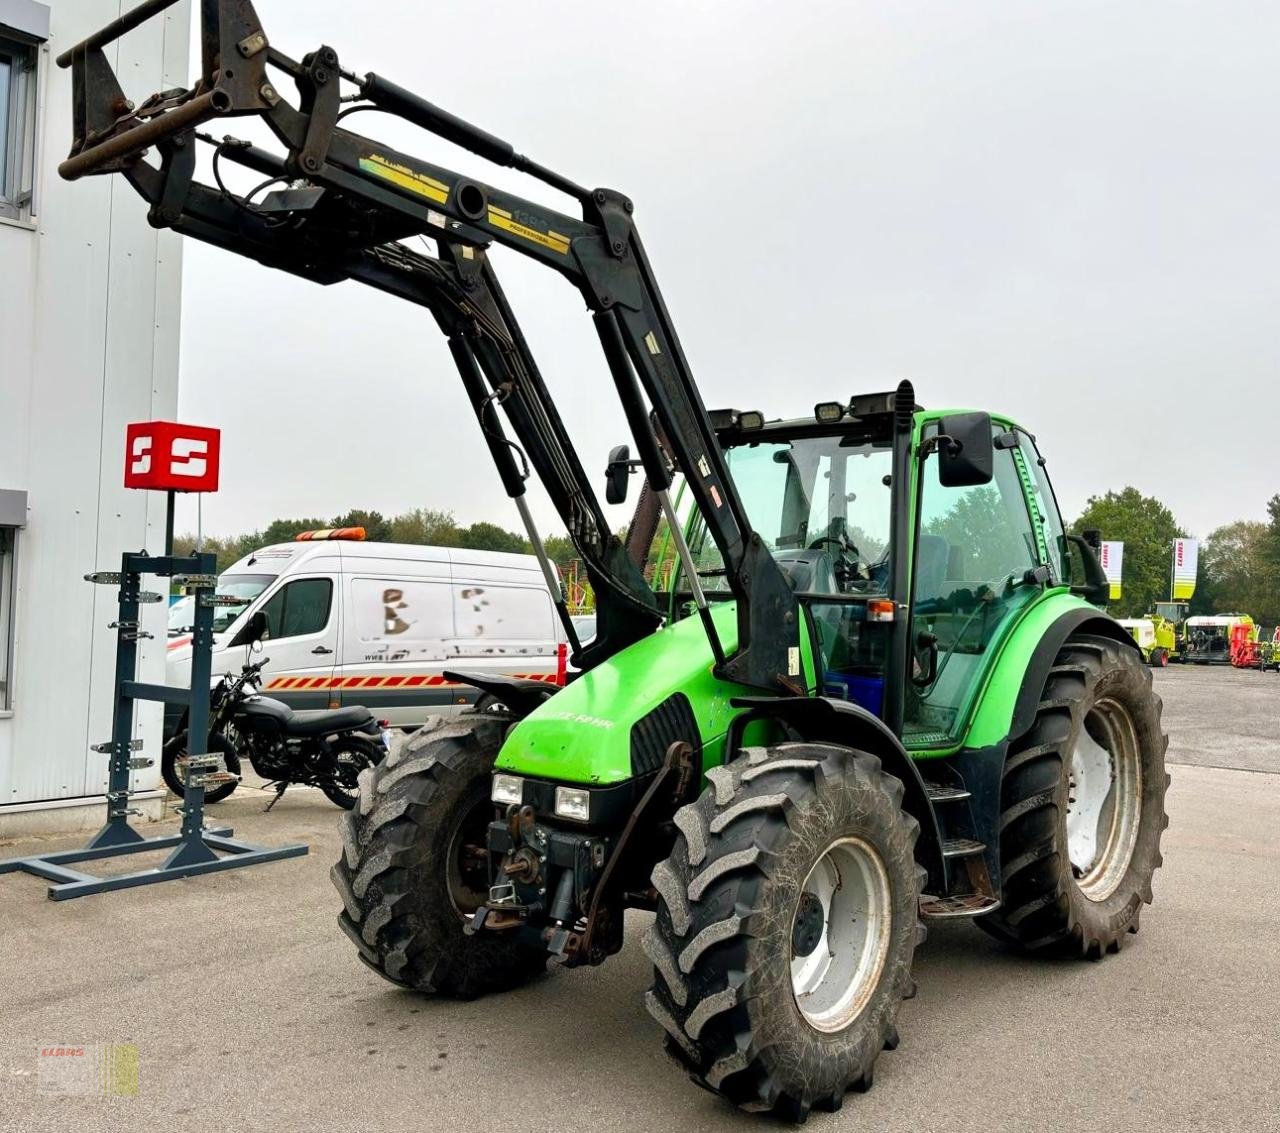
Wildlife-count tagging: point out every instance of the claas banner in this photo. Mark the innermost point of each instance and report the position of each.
(1112, 566)
(1186, 561)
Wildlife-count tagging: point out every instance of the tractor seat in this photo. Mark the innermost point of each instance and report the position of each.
(322, 721)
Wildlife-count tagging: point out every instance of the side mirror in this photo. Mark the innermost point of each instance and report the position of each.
(965, 450)
(1087, 577)
(617, 474)
(255, 629)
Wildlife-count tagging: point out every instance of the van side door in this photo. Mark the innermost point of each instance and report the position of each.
(303, 624)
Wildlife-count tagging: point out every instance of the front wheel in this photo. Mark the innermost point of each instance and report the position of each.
(352, 755)
(786, 926)
(414, 865)
(173, 765)
(1082, 806)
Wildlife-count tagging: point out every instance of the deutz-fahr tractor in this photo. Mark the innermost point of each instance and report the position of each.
(874, 694)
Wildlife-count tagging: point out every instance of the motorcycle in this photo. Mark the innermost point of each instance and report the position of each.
(326, 749)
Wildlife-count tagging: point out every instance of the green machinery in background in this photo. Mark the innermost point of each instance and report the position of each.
(1157, 637)
(874, 694)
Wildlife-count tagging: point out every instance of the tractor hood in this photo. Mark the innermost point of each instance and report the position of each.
(583, 733)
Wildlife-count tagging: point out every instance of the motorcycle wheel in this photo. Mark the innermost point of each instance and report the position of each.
(172, 768)
(344, 789)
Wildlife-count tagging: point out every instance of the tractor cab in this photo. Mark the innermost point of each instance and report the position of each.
(880, 535)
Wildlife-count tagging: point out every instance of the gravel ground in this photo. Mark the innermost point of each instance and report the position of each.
(249, 1010)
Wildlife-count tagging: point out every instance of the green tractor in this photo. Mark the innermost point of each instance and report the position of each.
(874, 693)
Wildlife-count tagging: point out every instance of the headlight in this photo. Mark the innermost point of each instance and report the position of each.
(507, 789)
(573, 802)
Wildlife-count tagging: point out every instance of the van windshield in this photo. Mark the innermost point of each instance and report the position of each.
(244, 587)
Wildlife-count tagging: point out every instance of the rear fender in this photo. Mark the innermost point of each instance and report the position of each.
(1076, 623)
(823, 720)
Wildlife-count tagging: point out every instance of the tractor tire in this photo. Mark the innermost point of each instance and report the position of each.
(736, 951)
(409, 874)
(1082, 807)
(1159, 658)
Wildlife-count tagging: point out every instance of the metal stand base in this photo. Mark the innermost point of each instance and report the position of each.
(194, 845)
(190, 856)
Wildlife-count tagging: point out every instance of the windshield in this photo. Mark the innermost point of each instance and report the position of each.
(821, 505)
(245, 587)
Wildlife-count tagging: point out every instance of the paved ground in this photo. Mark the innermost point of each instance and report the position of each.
(1179, 1032)
(1217, 716)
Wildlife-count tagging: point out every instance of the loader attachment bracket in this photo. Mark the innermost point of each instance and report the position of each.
(110, 132)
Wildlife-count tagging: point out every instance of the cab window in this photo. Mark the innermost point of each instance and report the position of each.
(299, 608)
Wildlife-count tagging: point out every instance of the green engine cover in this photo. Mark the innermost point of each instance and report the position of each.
(583, 733)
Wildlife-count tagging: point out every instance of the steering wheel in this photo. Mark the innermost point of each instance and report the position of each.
(841, 541)
(848, 566)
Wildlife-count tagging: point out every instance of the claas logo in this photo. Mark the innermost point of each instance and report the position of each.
(170, 457)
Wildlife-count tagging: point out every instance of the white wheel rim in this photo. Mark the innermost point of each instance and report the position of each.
(833, 983)
(1104, 800)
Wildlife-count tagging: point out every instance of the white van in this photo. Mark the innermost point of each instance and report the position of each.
(377, 624)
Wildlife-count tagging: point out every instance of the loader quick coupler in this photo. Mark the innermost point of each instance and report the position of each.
(541, 883)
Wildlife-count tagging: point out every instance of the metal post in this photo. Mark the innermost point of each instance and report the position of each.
(117, 830)
(192, 848)
(168, 522)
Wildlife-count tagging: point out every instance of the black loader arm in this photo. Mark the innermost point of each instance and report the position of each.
(339, 206)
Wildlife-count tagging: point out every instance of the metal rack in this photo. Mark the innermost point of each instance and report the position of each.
(195, 847)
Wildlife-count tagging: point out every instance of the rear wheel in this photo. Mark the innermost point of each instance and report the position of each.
(415, 866)
(354, 754)
(1082, 806)
(787, 921)
(1159, 658)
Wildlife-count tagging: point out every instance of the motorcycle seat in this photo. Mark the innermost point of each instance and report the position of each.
(322, 721)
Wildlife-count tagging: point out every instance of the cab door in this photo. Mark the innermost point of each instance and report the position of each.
(973, 547)
(302, 640)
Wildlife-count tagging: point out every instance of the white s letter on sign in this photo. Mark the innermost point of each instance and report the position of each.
(141, 456)
(188, 457)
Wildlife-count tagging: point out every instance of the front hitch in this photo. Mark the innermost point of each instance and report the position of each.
(582, 922)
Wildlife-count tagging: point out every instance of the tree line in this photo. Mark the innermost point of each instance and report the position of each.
(1239, 561)
(425, 526)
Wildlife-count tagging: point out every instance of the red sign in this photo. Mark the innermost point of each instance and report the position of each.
(169, 457)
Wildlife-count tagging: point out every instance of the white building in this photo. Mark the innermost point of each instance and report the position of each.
(89, 313)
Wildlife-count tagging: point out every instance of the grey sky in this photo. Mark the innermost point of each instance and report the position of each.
(1063, 210)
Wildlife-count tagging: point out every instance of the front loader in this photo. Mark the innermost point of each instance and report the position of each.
(873, 694)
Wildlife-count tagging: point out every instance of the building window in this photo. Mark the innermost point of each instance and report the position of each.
(17, 125)
(8, 583)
